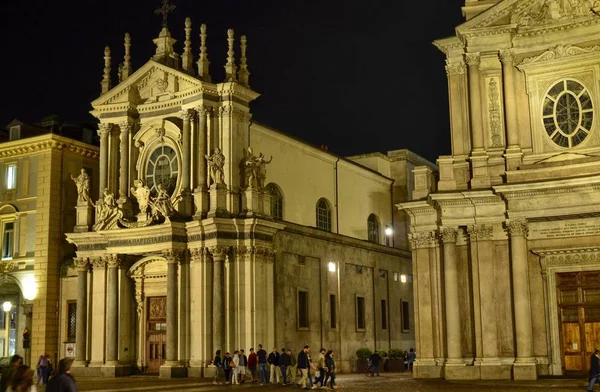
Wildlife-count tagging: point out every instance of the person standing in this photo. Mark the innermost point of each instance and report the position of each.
(273, 360)
(242, 367)
(252, 365)
(321, 368)
(594, 369)
(15, 362)
(227, 361)
(291, 372)
(21, 380)
(412, 355)
(218, 362)
(303, 365)
(63, 381)
(261, 354)
(375, 358)
(43, 364)
(330, 368)
(236, 368)
(284, 364)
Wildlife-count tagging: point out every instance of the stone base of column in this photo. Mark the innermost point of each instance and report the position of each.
(457, 370)
(427, 368)
(480, 177)
(79, 370)
(196, 372)
(184, 207)
(525, 370)
(172, 370)
(115, 370)
(84, 220)
(514, 157)
(218, 201)
(201, 203)
(251, 203)
(493, 369)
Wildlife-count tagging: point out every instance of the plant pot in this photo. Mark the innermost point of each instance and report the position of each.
(361, 365)
(395, 365)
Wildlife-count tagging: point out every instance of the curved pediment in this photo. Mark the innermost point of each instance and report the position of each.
(150, 266)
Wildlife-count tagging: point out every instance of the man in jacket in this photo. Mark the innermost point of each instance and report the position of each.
(284, 363)
(262, 365)
(242, 366)
(252, 365)
(15, 362)
(303, 365)
(374, 359)
(63, 381)
(273, 360)
(291, 372)
(594, 369)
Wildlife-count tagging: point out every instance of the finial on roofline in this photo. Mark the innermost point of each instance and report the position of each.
(203, 63)
(126, 68)
(244, 74)
(187, 58)
(230, 68)
(106, 84)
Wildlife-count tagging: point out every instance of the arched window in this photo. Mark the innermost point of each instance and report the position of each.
(276, 201)
(323, 215)
(373, 228)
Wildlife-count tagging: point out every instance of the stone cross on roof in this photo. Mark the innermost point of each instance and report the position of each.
(164, 10)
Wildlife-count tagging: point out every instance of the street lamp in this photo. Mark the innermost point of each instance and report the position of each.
(7, 307)
(331, 266)
(388, 233)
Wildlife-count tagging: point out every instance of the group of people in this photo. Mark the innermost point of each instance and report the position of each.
(18, 377)
(375, 361)
(277, 367)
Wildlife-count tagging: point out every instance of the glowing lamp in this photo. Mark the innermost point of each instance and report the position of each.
(331, 266)
(7, 306)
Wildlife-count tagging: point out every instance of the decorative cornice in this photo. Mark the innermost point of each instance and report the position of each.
(32, 148)
(565, 257)
(560, 52)
(481, 232)
(518, 227)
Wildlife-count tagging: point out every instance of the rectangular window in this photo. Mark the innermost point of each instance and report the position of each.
(395, 276)
(360, 313)
(383, 314)
(71, 320)
(382, 273)
(11, 176)
(303, 309)
(8, 240)
(405, 317)
(332, 311)
(15, 132)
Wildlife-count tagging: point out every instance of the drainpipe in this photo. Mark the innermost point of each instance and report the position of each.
(337, 216)
(392, 205)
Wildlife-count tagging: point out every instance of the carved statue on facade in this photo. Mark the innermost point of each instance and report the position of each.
(255, 171)
(108, 212)
(162, 205)
(83, 187)
(261, 176)
(216, 162)
(142, 193)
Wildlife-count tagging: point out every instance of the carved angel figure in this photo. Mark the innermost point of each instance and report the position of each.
(83, 187)
(162, 205)
(250, 168)
(142, 193)
(261, 175)
(216, 162)
(107, 212)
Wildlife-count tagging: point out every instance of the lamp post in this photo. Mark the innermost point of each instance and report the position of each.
(388, 233)
(6, 306)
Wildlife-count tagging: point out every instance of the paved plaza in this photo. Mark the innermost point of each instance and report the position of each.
(347, 382)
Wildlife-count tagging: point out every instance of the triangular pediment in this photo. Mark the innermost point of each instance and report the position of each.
(533, 14)
(150, 83)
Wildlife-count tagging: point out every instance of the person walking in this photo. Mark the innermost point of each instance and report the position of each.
(15, 362)
(262, 365)
(218, 362)
(227, 362)
(303, 365)
(330, 368)
(293, 368)
(21, 380)
(412, 355)
(273, 360)
(375, 358)
(236, 368)
(594, 369)
(242, 367)
(63, 381)
(321, 368)
(42, 366)
(284, 363)
(252, 365)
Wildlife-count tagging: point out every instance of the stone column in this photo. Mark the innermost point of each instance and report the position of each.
(104, 132)
(124, 160)
(200, 192)
(126, 315)
(97, 342)
(475, 101)
(513, 151)
(185, 206)
(81, 328)
(197, 298)
(219, 254)
(172, 366)
(524, 366)
(184, 308)
(112, 310)
(453, 331)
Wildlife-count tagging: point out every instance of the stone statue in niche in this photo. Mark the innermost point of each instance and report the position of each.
(261, 175)
(142, 193)
(83, 187)
(255, 170)
(216, 162)
(108, 212)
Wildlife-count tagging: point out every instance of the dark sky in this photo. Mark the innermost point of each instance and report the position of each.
(357, 76)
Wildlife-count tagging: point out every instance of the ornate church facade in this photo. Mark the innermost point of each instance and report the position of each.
(215, 232)
(505, 243)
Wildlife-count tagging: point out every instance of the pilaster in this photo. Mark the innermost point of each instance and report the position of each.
(513, 154)
(201, 191)
(185, 204)
(82, 266)
(200, 342)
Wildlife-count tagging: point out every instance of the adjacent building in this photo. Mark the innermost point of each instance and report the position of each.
(505, 242)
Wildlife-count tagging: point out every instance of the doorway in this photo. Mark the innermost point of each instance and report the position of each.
(578, 295)
(156, 333)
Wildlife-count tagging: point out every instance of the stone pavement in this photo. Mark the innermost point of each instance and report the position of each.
(401, 382)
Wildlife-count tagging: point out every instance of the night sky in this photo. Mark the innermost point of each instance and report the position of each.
(355, 76)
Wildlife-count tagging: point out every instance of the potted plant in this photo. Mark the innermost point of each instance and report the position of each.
(395, 360)
(362, 356)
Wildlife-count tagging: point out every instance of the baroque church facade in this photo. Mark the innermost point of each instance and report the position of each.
(505, 241)
(211, 231)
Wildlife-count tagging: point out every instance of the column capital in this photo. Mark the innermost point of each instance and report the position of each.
(104, 129)
(125, 127)
(175, 256)
(187, 115)
(448, 234)
(481, 232)
(98, 262)
(421, 240)
(507, 56)
(455, 68)
(473, 59)
(82, 264)
(518, 227)
(114, 260)
(219, 251)
(203, 110)
(197, 254)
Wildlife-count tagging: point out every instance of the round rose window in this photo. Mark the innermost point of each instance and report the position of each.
(568, 113)
(162, 168)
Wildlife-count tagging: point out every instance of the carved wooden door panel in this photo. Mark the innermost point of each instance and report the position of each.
(156, 333)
